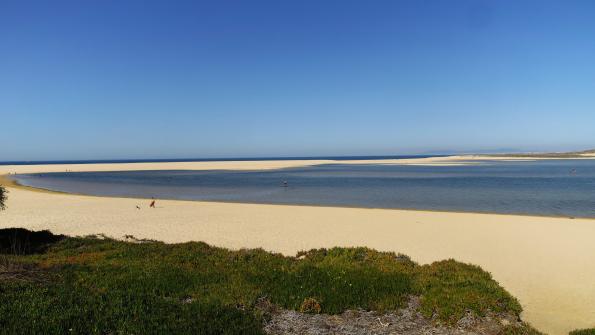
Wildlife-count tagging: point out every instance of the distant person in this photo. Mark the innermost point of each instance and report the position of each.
(152, 205)
(285, 183)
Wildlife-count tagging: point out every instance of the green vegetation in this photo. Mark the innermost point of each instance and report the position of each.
(583, 332)
(57, 285)
(3, 197)
(573, 154)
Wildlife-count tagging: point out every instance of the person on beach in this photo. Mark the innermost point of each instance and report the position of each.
(152, 205)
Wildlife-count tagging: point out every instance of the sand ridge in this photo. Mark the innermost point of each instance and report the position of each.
(255, 165)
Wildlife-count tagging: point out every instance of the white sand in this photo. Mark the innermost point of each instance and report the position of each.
(547, 263)
(257, 165)
(252, 165)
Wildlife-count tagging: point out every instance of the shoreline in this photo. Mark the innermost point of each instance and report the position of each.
(10, 183)
(337, 159)
(546, 262)
(266, 165)
(245, 165)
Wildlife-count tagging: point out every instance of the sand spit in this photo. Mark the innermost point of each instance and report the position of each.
(254, 165)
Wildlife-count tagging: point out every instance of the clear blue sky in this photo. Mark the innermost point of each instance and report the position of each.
(161, 79)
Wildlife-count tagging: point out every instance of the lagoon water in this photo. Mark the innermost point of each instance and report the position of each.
(548, 187)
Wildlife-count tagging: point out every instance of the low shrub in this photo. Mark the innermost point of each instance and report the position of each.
(99, 286)
(590, 331)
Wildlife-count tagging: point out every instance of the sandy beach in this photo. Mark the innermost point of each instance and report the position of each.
(547, 263)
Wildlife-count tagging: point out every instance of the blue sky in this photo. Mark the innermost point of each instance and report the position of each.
(164, 79)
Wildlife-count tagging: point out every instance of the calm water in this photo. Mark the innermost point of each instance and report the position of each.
(556, 187)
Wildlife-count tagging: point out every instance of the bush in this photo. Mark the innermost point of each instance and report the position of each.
(310, 305)
(583, 332)
(3, 197)
(104, 286)
(449, 288)
(19, 241)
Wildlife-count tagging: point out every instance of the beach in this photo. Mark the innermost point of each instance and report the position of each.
(547, 263)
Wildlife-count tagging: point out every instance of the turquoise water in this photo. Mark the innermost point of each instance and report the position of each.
(549, 187)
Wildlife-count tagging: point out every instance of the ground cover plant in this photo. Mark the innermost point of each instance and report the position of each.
(590, 331)
(103, 286)
(3, 197)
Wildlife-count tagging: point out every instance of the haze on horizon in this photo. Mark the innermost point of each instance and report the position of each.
(173, 79)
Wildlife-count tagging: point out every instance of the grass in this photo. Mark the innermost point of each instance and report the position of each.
(583, 332)
(99, 286)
